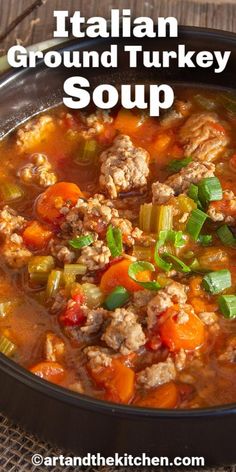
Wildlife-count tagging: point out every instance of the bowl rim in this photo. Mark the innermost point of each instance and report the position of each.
(63, 394)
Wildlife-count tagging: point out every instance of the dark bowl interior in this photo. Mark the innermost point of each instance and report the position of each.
(69, 420)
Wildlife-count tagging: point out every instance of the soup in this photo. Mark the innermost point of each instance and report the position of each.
(117, 255)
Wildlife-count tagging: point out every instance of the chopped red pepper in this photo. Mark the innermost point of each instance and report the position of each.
(73, 315)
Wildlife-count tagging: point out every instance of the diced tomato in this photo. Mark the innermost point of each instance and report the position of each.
(73, 315)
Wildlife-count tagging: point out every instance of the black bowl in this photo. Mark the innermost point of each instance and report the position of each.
(77, 422)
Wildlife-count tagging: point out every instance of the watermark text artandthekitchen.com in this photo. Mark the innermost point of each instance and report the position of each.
(117, 460)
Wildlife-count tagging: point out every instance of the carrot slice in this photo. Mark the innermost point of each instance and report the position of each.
(50, 202)
(117, 380)
(176, 335)
(165, 396)
(127, 122)
(117, 274)
(36, 236)
(51, 371)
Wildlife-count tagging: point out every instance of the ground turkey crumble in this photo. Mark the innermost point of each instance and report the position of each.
(35, 131)
(166, 297)
(124, 333)
(95, 215)
(157, 374)
(14, 252)
(124, 167)
(94, 320)
(203, 137)
(95, 257)
(38, 171)
(59, 250)
(95, 123)
(98, 357)
(54, 347)
(10, 221)
(224, 210)
(178, 183)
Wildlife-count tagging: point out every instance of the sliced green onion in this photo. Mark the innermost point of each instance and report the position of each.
(194, 266)
(193, 192)
(163, 265)
(216, 282)
(205, 239)
(210, 190)
(6, 346)
(195, 222)
(227, 304)
(10, 191)
(174, 237)
(141, 266)
(226, 236)
(118, 297)
(180, 264)
(177, 164)
(82, 241)
(114, 241)
(54, 282)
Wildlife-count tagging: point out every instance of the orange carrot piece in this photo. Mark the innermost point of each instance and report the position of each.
(51, 371)
(36, 236)
(160, 144)
(165, 396)
(117, 380)
(189, 335)
(50, 202)
(117, 274)
(195, 287)
(201, 304)
(127, 122)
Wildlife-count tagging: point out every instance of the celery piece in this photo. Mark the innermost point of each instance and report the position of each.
(39, 277)
(155, 218)
(10, 191)
(6, 307)
(41, 264)
(74, 269)
(145, 217)
(164, 219)
(6, 346)
(143, 253)
(93, 294)
(54, 282)
(88, 152)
